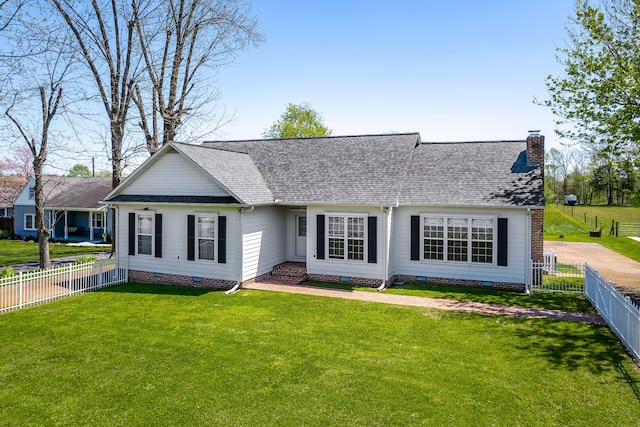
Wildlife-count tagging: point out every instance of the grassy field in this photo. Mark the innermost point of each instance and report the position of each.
(561, 226)
(18, 252)
(141, 355)
(605, 214)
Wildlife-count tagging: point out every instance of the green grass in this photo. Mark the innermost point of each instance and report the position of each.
(18, 252)
(549, 300)
(564, 227)
(141, 355)
(605, 214)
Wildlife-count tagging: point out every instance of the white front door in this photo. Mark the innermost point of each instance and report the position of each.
(301, 236)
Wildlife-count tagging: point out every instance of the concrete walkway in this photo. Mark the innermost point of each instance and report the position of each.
(441, 304)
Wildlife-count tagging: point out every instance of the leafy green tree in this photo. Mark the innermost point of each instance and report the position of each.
(599, 94)
(298, 121)
(80, 171)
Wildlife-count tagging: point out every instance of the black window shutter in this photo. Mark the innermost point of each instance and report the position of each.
(191, 237)
(158, 237)
(415, 238)
(502, 241)
(320, 237)
(132, 233)
(222, 239)
(372, 238)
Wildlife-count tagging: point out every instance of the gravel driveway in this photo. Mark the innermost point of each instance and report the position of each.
(622, 271)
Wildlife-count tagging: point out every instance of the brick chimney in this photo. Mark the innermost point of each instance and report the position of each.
(535, 150)
(535, 157)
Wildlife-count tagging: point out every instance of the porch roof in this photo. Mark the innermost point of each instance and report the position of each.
(75, 193)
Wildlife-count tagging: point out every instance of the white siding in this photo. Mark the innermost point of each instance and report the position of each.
(514, 272)
(23, 196)
(264, 239)
(173, 175)
(361, 269)
(174, 244)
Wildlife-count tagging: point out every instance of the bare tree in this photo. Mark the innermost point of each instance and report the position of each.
(36, 135)
(104, 37)
(8, 12)
(182, 42)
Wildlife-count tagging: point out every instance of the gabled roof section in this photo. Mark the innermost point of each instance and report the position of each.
(236, 172)
(344, 170)
(78, 193)
(473, 174)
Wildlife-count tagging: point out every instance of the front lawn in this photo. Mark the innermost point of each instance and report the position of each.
(19, 252)
(158, 355)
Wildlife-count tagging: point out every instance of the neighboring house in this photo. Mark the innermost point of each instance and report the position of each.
(9, 188)
(72, 208)
(369, 209)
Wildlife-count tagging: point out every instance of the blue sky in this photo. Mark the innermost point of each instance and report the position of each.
(451, 70)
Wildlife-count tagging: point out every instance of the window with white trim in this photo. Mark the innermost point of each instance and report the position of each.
(97, 220)
(29, 221)
(459, 239)
(346, 237)
(205, 235)
(32, 193)
(482, 236)
(144, 233)
(434, 238)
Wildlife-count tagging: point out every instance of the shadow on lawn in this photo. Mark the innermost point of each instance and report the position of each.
(595, 348)
(145, 288)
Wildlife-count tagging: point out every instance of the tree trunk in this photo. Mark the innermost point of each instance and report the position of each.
(41, 223)
(117, 136)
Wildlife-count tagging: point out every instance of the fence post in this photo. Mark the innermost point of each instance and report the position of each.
(596, 222)
(20, 289)
(100, 273)
(70, 278)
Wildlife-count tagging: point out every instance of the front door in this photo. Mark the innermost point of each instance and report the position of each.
(301, 236)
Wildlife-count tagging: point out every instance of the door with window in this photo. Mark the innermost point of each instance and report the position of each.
(301, 236)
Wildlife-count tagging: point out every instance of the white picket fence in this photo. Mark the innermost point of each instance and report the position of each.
(619, 311)
(40, 286)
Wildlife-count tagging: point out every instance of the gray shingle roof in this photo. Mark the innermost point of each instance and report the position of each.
(371, 170)
(472, 174)
(350, 170)
(233, 170)
(68, 192)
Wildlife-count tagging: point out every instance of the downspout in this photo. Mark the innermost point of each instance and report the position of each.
(385, 253)
(114, 236)
(238, 284)
(528, 269)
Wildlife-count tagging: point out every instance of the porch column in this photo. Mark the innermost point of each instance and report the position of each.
(66, 226)
(90, 225)
(52, 222)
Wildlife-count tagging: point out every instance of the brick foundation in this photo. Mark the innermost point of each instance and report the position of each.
(180, 280)
(463, 283)
(372, 283)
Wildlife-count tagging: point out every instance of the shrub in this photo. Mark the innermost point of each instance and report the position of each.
(6, 234)
(85, 259)
(7, 272)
